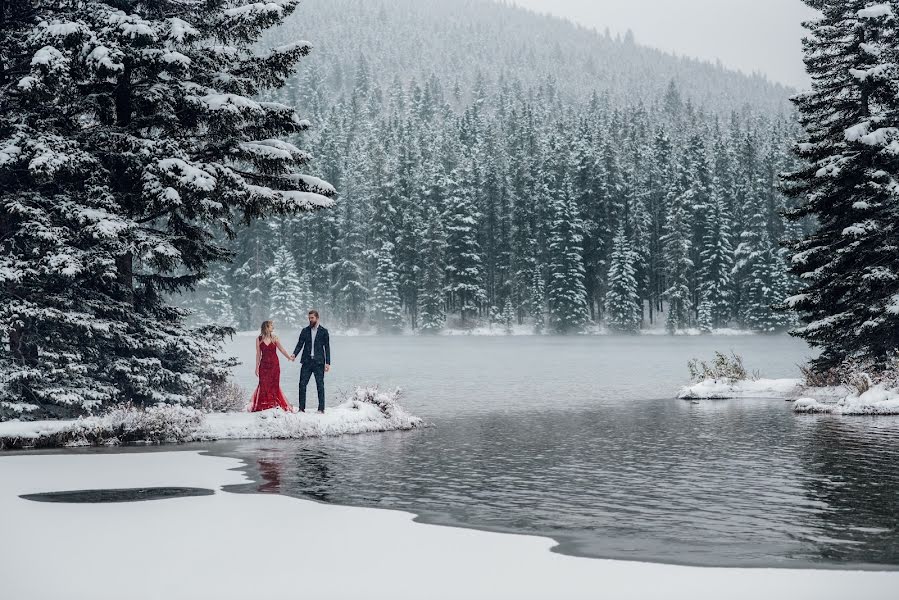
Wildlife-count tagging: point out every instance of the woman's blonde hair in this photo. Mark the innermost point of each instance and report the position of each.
(267, 327)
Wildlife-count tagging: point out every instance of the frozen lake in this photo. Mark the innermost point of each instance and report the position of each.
(581, 439)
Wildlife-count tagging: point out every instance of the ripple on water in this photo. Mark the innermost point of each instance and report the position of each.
(589, 448)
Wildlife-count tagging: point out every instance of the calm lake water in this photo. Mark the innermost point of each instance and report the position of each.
(581, 439)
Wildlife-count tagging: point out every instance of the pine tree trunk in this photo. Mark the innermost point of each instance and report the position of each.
(125, 275)
(22, 351)
(123, 109)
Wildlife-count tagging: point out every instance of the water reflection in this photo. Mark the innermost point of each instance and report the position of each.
(282, 469)
(853, 475)
(725, 483)
(600, 457)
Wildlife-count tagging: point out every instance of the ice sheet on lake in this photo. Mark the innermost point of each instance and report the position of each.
(238, 546)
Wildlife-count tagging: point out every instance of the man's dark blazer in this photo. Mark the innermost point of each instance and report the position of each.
(322, 346)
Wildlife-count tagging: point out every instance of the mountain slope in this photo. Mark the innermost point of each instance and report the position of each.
(458, 39)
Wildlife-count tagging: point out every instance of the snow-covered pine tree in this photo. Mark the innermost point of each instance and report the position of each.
(254, 273)
(760, 273)
(130, 132)
(566, 292)
(464, 264)
(387, 314)
(508, 317)
(212, 301)
(850, 264)
(623, 311)
(348, 289)
(717, 259)
(537, 302)
(431, 298)
(698, 210)
(676, 243)
(289, 300)
(658, 174)
(704, 316)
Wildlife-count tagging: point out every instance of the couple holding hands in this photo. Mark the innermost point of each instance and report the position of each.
(314, 351)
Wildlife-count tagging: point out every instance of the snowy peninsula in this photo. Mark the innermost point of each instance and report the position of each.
(367, 411)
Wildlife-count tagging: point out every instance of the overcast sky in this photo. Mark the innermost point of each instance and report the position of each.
(749, 35)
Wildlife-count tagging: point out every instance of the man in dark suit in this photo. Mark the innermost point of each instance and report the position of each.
(314, 350)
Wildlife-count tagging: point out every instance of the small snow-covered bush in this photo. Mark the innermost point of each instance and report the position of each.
(125, 424)
(226, 397)
(725, 367)
(387, 402)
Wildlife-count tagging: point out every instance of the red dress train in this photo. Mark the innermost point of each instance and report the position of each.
(268, 393)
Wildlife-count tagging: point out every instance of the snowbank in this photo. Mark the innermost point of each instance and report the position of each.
(746, 388)
(237, 546)
(879, 400)
(367, 411)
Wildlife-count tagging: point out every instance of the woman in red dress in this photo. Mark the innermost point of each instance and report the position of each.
(268, 393)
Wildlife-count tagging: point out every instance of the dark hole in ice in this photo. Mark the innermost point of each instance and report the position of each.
(123, 495)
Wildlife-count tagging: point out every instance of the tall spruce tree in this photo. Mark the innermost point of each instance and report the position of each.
(623, 310)
(211, 301)
(387, 314)
(431, 297)
(130, 134)
(289, 299)
(464, 265)
(677, 248)
(566, 292)
(850, 264)
(715, 283)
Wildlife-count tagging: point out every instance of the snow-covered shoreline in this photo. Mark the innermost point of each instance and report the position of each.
(368, 411)
(228, 545)
(840, 400)
(720, 389)
(878, 400)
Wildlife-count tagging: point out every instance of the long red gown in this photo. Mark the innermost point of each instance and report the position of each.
(268, 393)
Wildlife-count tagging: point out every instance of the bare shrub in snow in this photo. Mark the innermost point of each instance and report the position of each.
(725, 367)
(855, 374)
(125, 424)
(226, 397)
(833, 377)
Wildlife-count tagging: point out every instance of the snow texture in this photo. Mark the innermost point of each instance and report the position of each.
(759, 388)
(206, 547)
(879, 400)
(367, 411)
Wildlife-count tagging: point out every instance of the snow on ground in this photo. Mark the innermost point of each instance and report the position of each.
(839, 400)
(878, 400)
(366, 411)
(347, 418)
(725, 388)
(238, 546)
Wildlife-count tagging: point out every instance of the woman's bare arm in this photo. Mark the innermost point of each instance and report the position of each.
(258, 355)
(280, 347)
